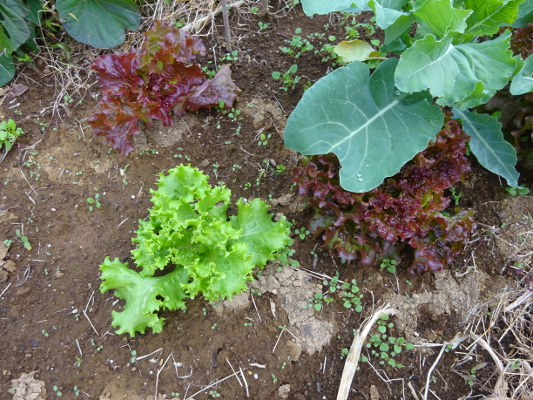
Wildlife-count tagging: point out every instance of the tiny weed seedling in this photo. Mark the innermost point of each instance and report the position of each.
(302, 233)
(288, 79)
(233, 56)
(517, 191)
(297, 45)
(23, 239)
(94, 201)
(386, 347)
(351, 296)
(349, 292)
(389, 265)
(8, 134)
(235, 115)
(263, 139)
(262, 25)
(57, 391)
(319, 300)
(344, 353)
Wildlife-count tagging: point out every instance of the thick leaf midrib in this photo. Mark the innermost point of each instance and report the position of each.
(426, 66)
(366, 124)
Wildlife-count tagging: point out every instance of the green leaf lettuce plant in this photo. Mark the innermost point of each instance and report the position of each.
(189, 246)
(452, 53)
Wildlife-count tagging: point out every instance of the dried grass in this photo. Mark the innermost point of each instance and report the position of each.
(500, 343)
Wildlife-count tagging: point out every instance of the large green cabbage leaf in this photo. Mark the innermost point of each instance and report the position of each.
(99, 23)
(371, 127)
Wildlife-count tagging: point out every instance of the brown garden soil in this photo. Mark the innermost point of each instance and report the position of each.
(54, 320)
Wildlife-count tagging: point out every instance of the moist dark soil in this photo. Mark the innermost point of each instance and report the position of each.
(54, 320)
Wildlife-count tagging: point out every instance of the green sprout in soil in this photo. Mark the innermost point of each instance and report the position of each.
(385, 347)
(233, 56)
(389, 265)
(517, 191)
(23, 239)
(263, 139)
(288, 79)
(297, 45)
(57, 391)
(302, 233)
(344, 353)
(9, 133)
(94, 201)
(350, 296)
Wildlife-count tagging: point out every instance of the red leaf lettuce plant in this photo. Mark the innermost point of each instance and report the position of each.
(405, 209)
(189, 233)
(154, 81)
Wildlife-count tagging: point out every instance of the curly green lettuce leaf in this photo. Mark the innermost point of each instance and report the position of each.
(188, 229)
(262, 235)
(144, 296)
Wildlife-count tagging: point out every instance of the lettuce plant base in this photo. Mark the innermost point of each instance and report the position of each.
(42, 317)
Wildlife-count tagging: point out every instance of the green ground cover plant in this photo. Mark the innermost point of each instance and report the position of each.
(447, 54)
(190, 246)
(153, 82)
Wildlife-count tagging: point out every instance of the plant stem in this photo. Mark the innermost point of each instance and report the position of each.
(227, 34)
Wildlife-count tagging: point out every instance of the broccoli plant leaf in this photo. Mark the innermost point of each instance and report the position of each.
(99, 23)
(7, 69)
(440, 17)
(144, 296)
(489, 15)
(525, 15)
(362, 119)
(312, 7)
(453, 72)
(12, 13)
(523, 81)
(387, 11)
(488, 145)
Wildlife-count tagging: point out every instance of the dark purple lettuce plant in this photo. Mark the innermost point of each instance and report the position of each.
(151, 83)
(407, 209)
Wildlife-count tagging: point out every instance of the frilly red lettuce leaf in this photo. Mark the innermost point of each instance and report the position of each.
(152, 82)
(407, 208)
(209, 93)
(188, 229)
